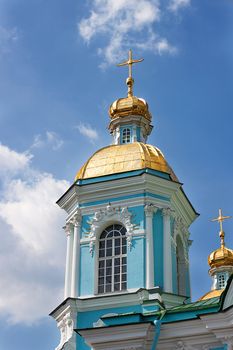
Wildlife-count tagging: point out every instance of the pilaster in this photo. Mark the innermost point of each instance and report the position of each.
(76, 221)
(150, 209)
(69, 252)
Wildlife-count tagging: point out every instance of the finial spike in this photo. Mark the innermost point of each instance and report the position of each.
(220, 220)
(129, 63)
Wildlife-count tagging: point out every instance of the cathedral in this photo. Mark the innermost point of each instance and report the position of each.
(127, 280)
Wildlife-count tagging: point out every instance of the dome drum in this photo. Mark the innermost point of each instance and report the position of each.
(136, 120)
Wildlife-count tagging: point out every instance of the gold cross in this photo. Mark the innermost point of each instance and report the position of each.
(221, 218)
(130, 63)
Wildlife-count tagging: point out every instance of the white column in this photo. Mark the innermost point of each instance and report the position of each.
(149, 211)
(69, 248)
(167, 254)
(76, 254)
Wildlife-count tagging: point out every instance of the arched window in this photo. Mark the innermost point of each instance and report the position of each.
(181, 267)
(126, 135)
(112, 272)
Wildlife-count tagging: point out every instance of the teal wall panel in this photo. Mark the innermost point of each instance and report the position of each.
(158, 247)
(138, 216)
(87, 271)
(86, 320)
(135, 264)
(174, 271)
(85, 225)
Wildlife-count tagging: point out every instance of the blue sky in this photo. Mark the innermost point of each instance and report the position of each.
(58, 78)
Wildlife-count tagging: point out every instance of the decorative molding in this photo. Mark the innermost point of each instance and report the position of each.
(66, 326)
(68, 228)
(150, 209)
(137, 336)
(76, 219)
(173, 242)
(103, 217)
(168, 212)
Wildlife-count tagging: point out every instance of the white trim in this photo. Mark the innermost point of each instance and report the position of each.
(128, 337)
(76, 253)
(112, 258)
(125, 186)
(150, 209)
(69, 253)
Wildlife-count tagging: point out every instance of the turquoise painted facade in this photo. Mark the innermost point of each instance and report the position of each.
(158, 248)
(128, 248)
(87, 271)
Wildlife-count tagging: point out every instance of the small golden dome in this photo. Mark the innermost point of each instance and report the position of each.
(221, 257)
(212, 294)
(122, 158)
(130, 105)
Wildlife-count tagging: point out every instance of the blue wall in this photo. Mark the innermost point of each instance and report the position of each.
(86, 320)
(158, 247)
(135, 264)
(87, 268)
(138, 217)
(85, 225)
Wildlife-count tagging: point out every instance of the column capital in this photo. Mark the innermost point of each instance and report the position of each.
(68, 229)
(168, 212)
(77, 218)
(150, 209)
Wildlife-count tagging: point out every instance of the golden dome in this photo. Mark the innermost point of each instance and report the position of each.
(221, 257)
(122, 158)
(212, 294)
(130, 105)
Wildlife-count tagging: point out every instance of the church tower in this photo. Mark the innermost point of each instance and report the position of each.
(127, 234)
(220, 262)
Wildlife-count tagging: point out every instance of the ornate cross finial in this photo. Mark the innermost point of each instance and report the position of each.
(129, 63)
(220, 219)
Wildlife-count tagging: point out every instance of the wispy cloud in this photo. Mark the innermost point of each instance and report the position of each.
(30, 229)
(176, 5)
(119, 21)
(88, 131)
(51, 139)
(123, 24)
(8, 36)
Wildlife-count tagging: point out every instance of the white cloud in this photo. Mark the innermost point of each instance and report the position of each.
(11, 162)
(8, 36)
(120, 21)
(176, 5)
(127, 24)
(51, 139)
(88, 131)
(32, 241)
(158, 45)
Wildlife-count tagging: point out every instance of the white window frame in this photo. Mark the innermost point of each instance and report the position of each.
(108, 254)
(221, 280)
(126, 135)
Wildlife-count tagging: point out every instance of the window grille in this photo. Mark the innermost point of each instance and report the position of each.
(112, 270)
(126, 135)
(221, 281)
